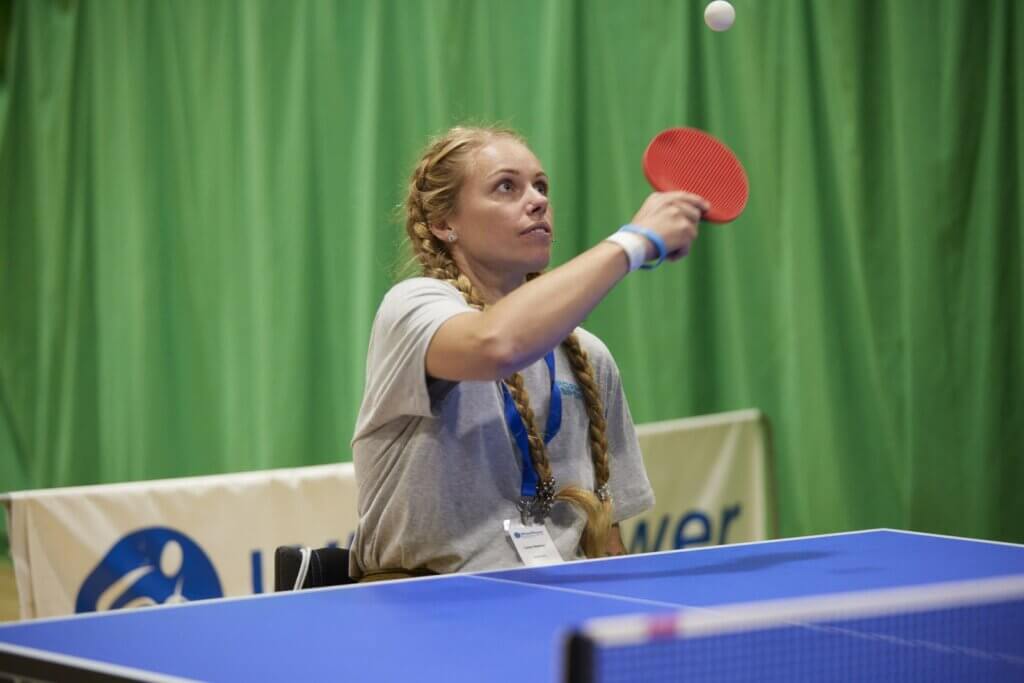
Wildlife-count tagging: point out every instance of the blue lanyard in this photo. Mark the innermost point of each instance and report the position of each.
(518, 429)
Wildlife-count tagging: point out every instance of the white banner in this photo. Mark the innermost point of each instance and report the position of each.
(105, 547)
(120, 545)
(711, 480)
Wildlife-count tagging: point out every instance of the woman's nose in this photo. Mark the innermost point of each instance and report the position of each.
(538, 203)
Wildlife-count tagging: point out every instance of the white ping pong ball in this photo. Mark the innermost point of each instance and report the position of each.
(719, 15)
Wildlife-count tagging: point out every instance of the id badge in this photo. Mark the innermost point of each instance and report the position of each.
(533, 543)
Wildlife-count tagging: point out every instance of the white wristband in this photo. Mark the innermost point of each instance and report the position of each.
(634, 245)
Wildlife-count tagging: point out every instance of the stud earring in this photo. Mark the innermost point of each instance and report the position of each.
(451, 236)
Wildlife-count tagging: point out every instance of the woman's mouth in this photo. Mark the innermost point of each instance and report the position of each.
(542, 228)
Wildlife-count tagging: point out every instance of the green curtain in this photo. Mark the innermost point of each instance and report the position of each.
(198, 221)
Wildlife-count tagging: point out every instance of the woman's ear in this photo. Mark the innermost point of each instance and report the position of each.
(444, 232)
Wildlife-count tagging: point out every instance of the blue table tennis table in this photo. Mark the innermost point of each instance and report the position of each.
(515, 625)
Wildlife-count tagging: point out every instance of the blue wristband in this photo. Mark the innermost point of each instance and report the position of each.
(654, 238)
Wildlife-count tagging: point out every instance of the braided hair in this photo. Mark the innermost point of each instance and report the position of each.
(430, 200)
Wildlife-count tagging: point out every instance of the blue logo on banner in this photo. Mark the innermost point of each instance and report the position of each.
(154, 566)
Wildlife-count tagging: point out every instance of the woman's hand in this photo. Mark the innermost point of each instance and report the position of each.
(675, 217)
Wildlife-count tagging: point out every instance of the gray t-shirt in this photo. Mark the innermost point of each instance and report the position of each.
(436, 465)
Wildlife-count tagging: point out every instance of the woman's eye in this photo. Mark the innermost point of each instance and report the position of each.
(506, 186)
(542, 187)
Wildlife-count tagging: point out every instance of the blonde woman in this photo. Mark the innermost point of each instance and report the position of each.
(485, 407)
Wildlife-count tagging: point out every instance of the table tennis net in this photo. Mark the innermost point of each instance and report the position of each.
(962, 631)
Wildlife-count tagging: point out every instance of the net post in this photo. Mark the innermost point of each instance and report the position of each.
(579, 659)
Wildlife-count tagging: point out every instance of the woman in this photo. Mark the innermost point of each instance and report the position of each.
(485, 406)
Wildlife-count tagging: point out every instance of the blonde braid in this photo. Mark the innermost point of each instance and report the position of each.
(538, 449)
(430, 200)
(584, 373)
(435, 262)
(599, 506)
(467, 289)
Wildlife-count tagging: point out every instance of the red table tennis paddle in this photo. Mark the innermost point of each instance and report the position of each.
(691, 160)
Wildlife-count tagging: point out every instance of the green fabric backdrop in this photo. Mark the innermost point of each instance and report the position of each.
(197, 204)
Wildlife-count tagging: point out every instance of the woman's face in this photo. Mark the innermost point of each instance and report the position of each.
(503, 217)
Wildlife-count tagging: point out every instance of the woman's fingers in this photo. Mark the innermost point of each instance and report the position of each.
(689, 198)
(691, 211)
